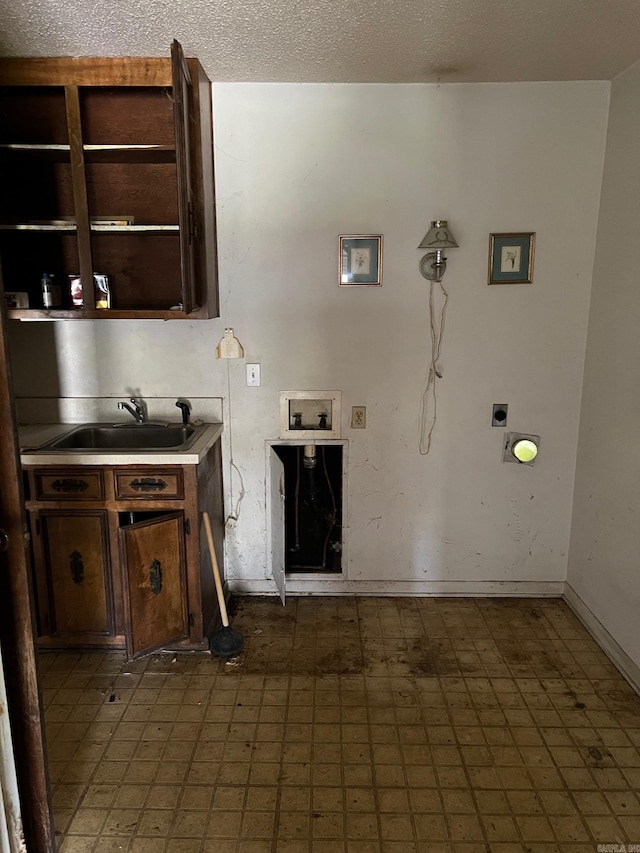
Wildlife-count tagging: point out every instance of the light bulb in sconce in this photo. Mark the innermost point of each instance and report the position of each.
(433, 265)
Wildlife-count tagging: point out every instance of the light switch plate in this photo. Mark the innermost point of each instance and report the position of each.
(253, 375)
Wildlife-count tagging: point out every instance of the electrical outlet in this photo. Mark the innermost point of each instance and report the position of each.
(358, 417)
(253, 375)
(499, 414)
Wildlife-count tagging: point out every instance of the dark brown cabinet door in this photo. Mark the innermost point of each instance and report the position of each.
(76, 558)
(152, 554)
(187, 212)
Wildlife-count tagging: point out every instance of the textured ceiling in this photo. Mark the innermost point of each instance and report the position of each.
(395, 41)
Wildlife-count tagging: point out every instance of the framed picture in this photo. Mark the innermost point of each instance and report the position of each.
(360, 260)
(511, 258)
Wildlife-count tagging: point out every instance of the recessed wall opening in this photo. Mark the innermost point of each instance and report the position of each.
(312, 507)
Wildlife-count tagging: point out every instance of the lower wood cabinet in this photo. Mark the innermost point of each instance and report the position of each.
(155, 582)
(76, 563)
(119, 556)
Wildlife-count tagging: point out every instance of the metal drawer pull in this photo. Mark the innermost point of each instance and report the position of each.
(4, 540)
(148, 484)
(69, 485)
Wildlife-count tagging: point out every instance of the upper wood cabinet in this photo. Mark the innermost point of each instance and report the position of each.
(107, 169)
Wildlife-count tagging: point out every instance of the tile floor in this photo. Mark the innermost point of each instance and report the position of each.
(352, 726)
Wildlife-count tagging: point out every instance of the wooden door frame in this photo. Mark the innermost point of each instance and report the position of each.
(17, 626)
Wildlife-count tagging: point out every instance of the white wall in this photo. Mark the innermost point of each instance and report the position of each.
(605, 540)
(297, 165)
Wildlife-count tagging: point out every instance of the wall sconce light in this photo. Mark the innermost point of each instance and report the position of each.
(438, 237)
(521, 447)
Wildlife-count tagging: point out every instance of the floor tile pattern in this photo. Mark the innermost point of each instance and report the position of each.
(351, 725)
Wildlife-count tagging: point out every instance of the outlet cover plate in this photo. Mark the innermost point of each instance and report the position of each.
(358, 417)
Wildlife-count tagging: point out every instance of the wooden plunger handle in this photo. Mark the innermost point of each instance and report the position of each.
(216, 570)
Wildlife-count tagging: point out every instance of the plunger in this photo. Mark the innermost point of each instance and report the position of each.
(227, 643)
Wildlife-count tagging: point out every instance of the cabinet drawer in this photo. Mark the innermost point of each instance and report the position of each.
(85, 485)
(162, 484)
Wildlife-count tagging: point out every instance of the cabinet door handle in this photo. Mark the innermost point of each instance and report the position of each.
(148, 484)
(4, 540)
(76, 565)
(69, 485)
(155, 577)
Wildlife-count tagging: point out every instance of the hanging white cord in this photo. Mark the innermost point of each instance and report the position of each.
(429, 409)
(235, 511)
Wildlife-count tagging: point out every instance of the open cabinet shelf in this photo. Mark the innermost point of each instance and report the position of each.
(107, 168)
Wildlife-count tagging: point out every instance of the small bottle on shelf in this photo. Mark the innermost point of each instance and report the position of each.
(100, 286)
(50, 291)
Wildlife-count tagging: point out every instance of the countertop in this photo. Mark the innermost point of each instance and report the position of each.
(32, 436)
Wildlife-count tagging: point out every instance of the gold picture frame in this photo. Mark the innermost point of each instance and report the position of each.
(360, 260)
(511, 258)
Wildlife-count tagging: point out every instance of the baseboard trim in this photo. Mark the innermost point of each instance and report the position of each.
(614, 651)
(321, 585)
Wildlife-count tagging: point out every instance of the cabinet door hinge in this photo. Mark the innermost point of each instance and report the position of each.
(187, 526)
(192, 620)
(193, 224)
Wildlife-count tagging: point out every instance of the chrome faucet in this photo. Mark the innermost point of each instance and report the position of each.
(137, 411)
